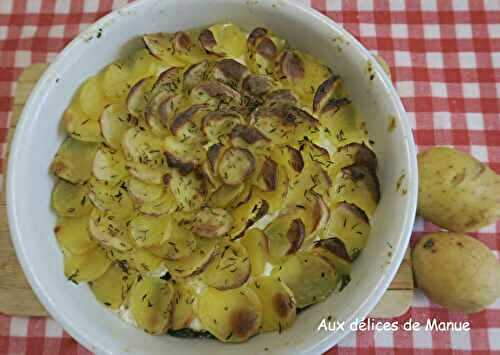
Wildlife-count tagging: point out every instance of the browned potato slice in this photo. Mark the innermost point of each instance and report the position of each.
(218, 124)
(183, 312)
(230, 72)
(73, 161)
(325, 92)
(187, 47)
(310, 278)
(291, 65)
(314, 212)
(160, 46)
(196, 74)
(143, 147)
(285, 234)
(147, 231)
(278, 304)
(169, 81)
(263, 49)
(73, 235)
(215, 93)
(334, 252)
(109, 165)
(190, 191)
(247, 213)
(111, 289)
(115, 121)
(231, 315)
(160, 111)
(176, 242)
(225, 195)
(151, 304)
(211, 222)
(109, 230)
(290, 158)
(70, 200)
(230, 268)
(456, 191)
(186, 126)
(236, 165)
(248, 137)
(358, 186)
(86, 267)
(277, 197)
(146, 174)
(223, 40)
(350, 224)
(267, 178)
(137, 96)
(182, 156)
(196, 262)
(280, 96)
(354, 153)
(257, 245)
(107, 197)
(257, 85)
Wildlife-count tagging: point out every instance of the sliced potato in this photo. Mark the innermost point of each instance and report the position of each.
(109, 166)
(325, 92)
(315, 214)
(195, 74)
(151, 304)
(147, 174)
(147, 231)
(248, 137)
(285, 234)
(218, 124)
(186, 126)
(109, 230)
(278, 304)
(182, 156)
(138, 96)
(160, 46)
(353, 154)
(183, 312)
(456, 191)
(247, 213)
(211, 222)
(231, 315)
(236, 165)
(225, 195)
(112, 288)
(257, 246)
(310, 278)
(263, 50)
(196, 262)
(224, 40)
(143, 65)
(91, 97)
(277, 197)
(80, 126)
(73, 235)
(107, 197)
(143, 147)
(216, 94)
(257, 85)
(187, 47)
(333, 250)
(350, 224)
(190, 191)
(267, 178)
(115, 121)
(70, 200)
(166, 203)
(142, 192)
(230, 72)
(144, 261)
(177, 241)
(230, 269)
(168, 81)
(86, 267)
(73, 161)
(115, 79)
(160, 109)
(290, 158)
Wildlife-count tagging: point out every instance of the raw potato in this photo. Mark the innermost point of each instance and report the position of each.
(111, 289)
(183, 312)
(456, 191)
(310, 278)
(456, 271)
(232, 315)
(73, 161)
(86, 267)
(70, 200)
(73, 235)
(257, 245)
(151, 304)
(230, 268)
(278, 304)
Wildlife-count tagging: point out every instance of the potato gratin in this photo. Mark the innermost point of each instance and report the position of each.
(214, 182)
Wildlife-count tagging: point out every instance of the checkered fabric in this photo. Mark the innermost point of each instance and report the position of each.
(445, 62)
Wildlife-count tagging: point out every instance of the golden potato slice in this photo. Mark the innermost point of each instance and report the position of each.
(143, 192)
(80, 126)
(143, 65)
(70, 200)
(230, 269)
(257, 245)
(333, 250)
(218, 124)
(144, 261)
(290, 158)
(73, 161)
(278, 304)
(325, 92)
(109, 166)
(86, 267)
(160, 46)
(247, 213)
(176, 241)
(182, 156)
(194, 263)
(160, 111)
(147, 231)
(187, 48)
(456, 191)
(236, 165)
(147, 174)
(231, 315)
(262, 51)
(73, 235)
(186, 125)
(224, 195)
(267, 177)
(215, 94)
(277, 197)
(230, 72)
(285, 234)
(190, 191)
(314, 212)
(115, 79)
(137, 96)
(211, 222)
(353, 154)
(91, 97)
(143, 147)
(224, 40)
(114, 198)
(151, 304)
(109, 230)
(310, 278)
(358, 186)
(111, 289)
(166, 203)
(350, 224)
(183, 312)
(115, 121)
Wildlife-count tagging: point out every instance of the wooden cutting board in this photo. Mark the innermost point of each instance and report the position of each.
(17, 298)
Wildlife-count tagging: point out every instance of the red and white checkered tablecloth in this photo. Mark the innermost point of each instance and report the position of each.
(445, 62)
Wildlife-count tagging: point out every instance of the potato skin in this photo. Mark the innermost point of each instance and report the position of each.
(456, 191)
(456, 271)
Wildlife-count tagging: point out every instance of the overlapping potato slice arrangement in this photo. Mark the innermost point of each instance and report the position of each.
(213, 157)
